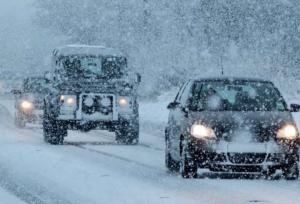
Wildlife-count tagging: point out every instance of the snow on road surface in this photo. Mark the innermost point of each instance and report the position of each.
(92, 168)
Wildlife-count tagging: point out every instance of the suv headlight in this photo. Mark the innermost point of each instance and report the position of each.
(288, 132)
(68, 104)
(68, 100)
(124, 104)
(202, 132)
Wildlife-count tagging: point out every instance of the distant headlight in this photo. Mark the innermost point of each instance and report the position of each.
(26, 105)
(288, 132)
(202, 132)
(68, 100)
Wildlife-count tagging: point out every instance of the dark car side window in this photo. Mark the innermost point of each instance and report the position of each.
(178, 96)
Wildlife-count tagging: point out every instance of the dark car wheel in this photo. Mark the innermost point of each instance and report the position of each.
(291, 171)
(54, 133)
(188, 166)
(127, 133)
(171, 164)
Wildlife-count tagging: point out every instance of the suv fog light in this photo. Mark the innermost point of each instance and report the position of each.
(89, 101)
(105, 102)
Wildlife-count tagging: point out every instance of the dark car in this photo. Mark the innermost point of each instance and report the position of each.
(92, 89)
(29, 100)
(232, 125)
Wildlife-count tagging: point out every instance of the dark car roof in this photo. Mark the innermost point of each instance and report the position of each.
(232, 79)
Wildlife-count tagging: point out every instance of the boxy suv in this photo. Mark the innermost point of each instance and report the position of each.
(232, 125)
(92, 89)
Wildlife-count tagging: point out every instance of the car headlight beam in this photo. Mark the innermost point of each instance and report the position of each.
(288, 132)
(202, 132)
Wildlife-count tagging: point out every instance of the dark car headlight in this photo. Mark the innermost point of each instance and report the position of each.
(26, 105)
(288, 132)
(202, 132)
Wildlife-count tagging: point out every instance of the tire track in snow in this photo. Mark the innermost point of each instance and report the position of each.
(116, 157)
(28, 191)
(24, 189)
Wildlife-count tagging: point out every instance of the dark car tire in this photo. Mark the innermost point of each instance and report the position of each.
(291, 171)
(188, 165)
(171, 164)
(127, 133)
(54, 133)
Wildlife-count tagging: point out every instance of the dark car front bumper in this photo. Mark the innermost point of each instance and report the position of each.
(207, 154)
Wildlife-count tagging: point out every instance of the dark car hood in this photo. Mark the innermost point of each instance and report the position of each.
(243, 126)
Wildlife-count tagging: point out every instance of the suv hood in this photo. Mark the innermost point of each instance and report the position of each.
(243, 126)
(97, 86)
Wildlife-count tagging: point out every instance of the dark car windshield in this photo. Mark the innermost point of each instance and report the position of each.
(35, 85)
(92, 66)
(236, 96)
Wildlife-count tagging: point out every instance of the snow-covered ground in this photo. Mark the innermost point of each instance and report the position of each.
(92, 168)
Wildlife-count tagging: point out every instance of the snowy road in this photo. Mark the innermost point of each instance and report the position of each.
(91, 168)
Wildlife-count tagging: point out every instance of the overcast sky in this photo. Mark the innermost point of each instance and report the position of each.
(23, 45)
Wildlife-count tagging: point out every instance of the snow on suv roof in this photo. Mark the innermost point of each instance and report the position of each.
(85, 50)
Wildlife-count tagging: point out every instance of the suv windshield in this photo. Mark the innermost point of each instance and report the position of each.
(236, 96)
(89, 66)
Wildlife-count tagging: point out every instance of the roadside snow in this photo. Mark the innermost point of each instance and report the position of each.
(7, 198)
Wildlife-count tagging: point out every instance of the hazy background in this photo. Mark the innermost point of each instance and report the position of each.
(166, 41)
(24, 46)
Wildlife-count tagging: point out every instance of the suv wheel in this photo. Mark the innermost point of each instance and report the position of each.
(291, 171)
(188, 166)
(53, 132)
(127, 133)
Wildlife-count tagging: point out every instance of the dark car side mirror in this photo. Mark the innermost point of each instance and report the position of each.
(172, 105)
(295, 108)
(138, 78)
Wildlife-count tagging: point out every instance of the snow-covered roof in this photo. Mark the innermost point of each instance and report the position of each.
(228, 78)
(86, 50)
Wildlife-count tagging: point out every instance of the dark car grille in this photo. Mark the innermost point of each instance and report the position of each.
(97, 105)
(246, 158)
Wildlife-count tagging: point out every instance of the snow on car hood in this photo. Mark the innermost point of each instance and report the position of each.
(243, 126)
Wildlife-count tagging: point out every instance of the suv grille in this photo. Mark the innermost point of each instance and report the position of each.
(97, 104)
(246, 158)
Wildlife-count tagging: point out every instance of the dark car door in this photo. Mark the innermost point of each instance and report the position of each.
(176, 117)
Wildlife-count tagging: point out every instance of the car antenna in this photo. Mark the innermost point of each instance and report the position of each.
(221, 62)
